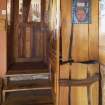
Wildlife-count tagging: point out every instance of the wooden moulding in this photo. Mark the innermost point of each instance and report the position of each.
(79, 41)
(79, 94)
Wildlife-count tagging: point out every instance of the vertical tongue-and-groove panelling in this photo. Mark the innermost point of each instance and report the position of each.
(80, 42)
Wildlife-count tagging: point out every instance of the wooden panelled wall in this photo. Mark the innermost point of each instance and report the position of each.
(3, 41)
(79, 42)
(78, 94)
(28, 40)
(84, 45)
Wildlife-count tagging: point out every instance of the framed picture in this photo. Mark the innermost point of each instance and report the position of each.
(81, 12)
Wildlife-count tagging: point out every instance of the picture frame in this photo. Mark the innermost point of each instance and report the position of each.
(81, 13)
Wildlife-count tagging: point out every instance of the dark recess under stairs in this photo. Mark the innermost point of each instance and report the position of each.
(27, 84)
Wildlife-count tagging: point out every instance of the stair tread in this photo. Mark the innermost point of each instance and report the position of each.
(27, 85)
(41, 97)
(27, 68)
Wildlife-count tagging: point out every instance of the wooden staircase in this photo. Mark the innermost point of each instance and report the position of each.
(36, 97)
(27, 84)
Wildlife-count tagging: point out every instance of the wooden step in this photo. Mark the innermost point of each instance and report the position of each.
(27, 76)
(36, 97)
(19, 86)
(27, 68)
(26, 81)
(27, 85)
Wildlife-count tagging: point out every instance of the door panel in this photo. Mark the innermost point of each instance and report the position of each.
(80, 41)
(26, 31)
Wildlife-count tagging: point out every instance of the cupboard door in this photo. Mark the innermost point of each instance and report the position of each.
(79, 39)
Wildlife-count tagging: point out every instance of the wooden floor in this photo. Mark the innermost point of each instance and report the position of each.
(39, 97)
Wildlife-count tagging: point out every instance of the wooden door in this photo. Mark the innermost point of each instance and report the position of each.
(79, 41)
(28, 36)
